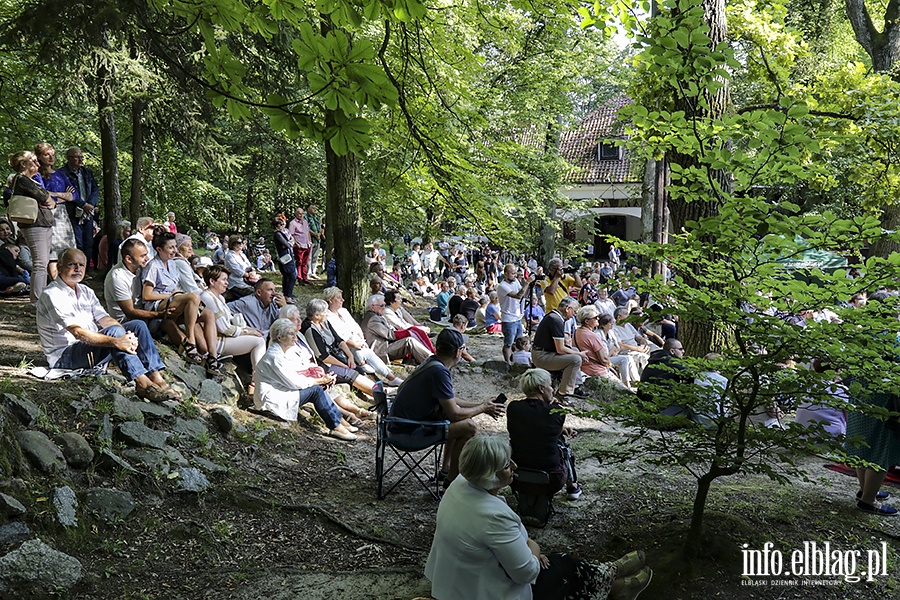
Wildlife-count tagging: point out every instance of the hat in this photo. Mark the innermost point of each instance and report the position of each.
(205, 261)
(450, 339)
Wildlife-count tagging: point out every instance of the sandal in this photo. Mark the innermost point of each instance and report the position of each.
(189, 352)
(631, 563)
(354, 420)
(213, 366)
(153, 393)
(637, 584)
(366, 415)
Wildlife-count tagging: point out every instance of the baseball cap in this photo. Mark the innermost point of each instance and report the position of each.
(450, 339)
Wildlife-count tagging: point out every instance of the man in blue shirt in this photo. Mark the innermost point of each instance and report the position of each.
(81, 211)
(427, 395)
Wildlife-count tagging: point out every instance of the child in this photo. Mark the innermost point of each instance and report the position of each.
(459, 323)
(522, 354)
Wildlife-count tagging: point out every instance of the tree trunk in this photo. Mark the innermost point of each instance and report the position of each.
(548, 231)
(112, 194)
(250, 220)
(692, 542)
(344, 223)
(135, 204)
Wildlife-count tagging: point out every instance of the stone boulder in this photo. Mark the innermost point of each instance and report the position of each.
(65, 503)
(108, 504)
(12, 534)
(192, 480)
(139, 435)
(24, 410)
(211, 392)
(35, 568)
(221, 419)
(110, 462)
(42, 453)
(10, 507)
(75, 448)
(151, 461)
(126, 410)
(190, 430)
(498, 366)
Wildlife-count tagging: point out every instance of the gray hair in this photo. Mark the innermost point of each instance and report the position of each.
(316, 306)
(482, 457)
(373, 300)
(282, 329)
(594, 278)
(330, 293)
(552, 262)
(287, 311)
(567, 302)
(485, 299)
(143, 222)
(588, 311)
(533, 379)
(493, 296)
(622, 310)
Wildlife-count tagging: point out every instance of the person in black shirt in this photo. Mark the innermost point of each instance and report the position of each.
(550, 351)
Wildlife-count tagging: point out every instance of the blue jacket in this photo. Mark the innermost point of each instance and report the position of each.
(93, 190)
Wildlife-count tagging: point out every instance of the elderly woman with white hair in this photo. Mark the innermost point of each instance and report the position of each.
(537, 434)
(284, 383)
(352, 413)
(349, 330)
(594, 346)
(383, 339)
(481, 549)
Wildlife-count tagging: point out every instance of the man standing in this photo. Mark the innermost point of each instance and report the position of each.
(298, 229)
(260, 309)
(76, 333)
(415, 261)
(557, 284)
(81, 211)
(427, 395)
(550, 351)
(316, 235)
(511, 291)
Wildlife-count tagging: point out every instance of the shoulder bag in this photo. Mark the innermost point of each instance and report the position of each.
(22, 209)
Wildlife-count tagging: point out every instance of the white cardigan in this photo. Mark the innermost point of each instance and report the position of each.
(480, 549)
(278, 382)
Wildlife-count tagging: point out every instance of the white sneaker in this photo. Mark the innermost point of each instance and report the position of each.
(574, 495)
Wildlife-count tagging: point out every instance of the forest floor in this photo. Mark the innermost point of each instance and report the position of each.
(295, 515)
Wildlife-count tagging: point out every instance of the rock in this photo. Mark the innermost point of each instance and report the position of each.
(192, 480)
(23, 409)
(75, 448)
(176, 457)
(108, 461)
(190, 429)
(192, 376)
(125, 409)
(207, 465)
(140, 436)
(11, 507)
(78, 405)
(152, 410)
(110, 505)
(65, 502)
(14, 533)
(496, 365)
(211, 392)
(97, 392)
(221, 419)
(518, 369)
(41, 451)
(34, 568)
(152, 461)
(104, 428)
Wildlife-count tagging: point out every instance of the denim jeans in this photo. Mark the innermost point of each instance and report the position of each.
(147, 360)
(323, 404)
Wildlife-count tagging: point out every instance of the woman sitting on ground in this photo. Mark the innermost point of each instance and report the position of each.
(283, 383)
(625, 365)
(234, 336)
(332, 352)
(481, 549)
(536, 434)
(353, 413)
(188, 280)
(403, 323)
(492, 314)
(588, 340)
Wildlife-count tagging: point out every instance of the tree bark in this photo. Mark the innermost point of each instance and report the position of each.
(135, 204)
(883, 47)
(112, 194)
(344, 223)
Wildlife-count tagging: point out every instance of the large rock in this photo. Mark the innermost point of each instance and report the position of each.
(192, 376)
(75, 448)
(23, 409)
(496, 365)
(152, 461)
(192, 480)
(126, 410)
(104, 428)
(211, 392)
(140, 436)
(190, 430)
(11, 507)
(65, 503)
(176, 457)
(221, 419)
(13, 533)
(111, 462)
(154, 411)
(35, 568)
(42, 453)
(110, 505)
(207, 465)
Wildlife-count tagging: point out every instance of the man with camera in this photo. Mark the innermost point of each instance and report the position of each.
(558, 283)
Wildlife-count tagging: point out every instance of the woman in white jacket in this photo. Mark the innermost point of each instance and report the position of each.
(481, 549)
(284, 384)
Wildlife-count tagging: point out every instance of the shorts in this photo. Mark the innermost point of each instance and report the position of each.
(343, 374)
(511, 332)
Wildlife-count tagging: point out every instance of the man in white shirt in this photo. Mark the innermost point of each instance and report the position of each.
(415, 260)
(143, 232)
(510, 291)
(604, 303)
(76, 333)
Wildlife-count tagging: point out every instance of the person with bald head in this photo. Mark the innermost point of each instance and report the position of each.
(76, 332)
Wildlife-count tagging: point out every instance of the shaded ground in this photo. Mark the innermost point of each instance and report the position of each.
(296, 515)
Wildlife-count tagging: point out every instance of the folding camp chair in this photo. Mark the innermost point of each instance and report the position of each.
(416, 448)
